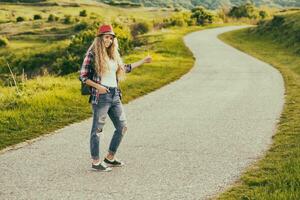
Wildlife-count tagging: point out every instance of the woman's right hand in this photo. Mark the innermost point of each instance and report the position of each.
(101, 89)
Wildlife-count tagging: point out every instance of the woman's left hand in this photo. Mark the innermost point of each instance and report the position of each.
(148, 59)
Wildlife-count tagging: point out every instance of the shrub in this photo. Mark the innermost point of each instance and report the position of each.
(33, 61)
(247, 10)
(124, 38)
(51, 18)
(202, 16)
(178, 20)
(139, 28)
(37, 17)
(223, 13)
(3, 41)
(76, 19)
(263, 14)
(20, 19)
(177, 9)
(123, 3)
(66, 64)
(67, 19)
(80, 26)
(83, 13)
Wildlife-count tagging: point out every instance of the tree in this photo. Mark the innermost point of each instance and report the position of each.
(51, 18)
(202, 16)
(37, 17)
(20, 19)
(139, 28)
(67, 19)
(263, 14)
(246, 10)
(3, 41)
(83, 13)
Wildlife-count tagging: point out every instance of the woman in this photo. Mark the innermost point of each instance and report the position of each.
(101, 69)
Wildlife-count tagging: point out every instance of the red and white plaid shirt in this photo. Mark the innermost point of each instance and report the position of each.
(86, 71)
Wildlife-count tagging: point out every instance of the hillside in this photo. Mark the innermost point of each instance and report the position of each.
(277, 173)
(212, 4)
(283, 29)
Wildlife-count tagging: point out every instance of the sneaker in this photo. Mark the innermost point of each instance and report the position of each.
(113, 163)
(101, 167)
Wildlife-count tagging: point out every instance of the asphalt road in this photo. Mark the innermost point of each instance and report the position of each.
(187, 140)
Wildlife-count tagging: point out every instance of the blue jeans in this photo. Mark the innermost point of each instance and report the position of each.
(110, 104)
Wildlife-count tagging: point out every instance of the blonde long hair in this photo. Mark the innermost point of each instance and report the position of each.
(102, 54)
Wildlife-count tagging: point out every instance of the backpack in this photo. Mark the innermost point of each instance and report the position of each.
(86, 89)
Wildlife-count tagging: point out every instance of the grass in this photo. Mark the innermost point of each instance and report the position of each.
(9, 12)
(277, 175)
(23, 46)
(48, 103)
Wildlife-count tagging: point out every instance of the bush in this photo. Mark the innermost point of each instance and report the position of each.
(177, 9)
(3, 41)
(139, 28)
(83, 13)
(51, 18)
(247, 10)
(124, 38)
(66, 64)
(177, 20)
(37, 17)
(80, 26)
(202, 16)
(223, 13)
(263, 14)
(67, 19)
(20, 19)
(123, 3)
(33, 61)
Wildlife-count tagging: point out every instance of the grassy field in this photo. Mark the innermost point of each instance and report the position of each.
(9, 12)
(277, 175)
(30, 37)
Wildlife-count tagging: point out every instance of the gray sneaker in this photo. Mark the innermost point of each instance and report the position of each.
(101, 167)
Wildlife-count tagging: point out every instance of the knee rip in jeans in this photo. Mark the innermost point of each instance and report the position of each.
(124, 130)
(99, 130)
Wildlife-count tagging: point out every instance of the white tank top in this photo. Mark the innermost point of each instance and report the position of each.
(109, 77)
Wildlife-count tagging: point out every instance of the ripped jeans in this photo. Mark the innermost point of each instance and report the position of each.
(108, 104)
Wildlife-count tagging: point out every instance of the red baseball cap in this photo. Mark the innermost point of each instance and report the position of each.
(106, 29)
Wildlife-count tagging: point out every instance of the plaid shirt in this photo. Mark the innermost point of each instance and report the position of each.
(86, 72)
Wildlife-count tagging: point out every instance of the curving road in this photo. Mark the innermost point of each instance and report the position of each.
(187, 140)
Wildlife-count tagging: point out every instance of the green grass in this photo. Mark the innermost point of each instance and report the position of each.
(283, 29)
(48, 103)
(9, 12)
(36, 40)
(277, 175)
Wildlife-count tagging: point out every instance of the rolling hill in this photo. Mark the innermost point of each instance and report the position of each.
(212, 4)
